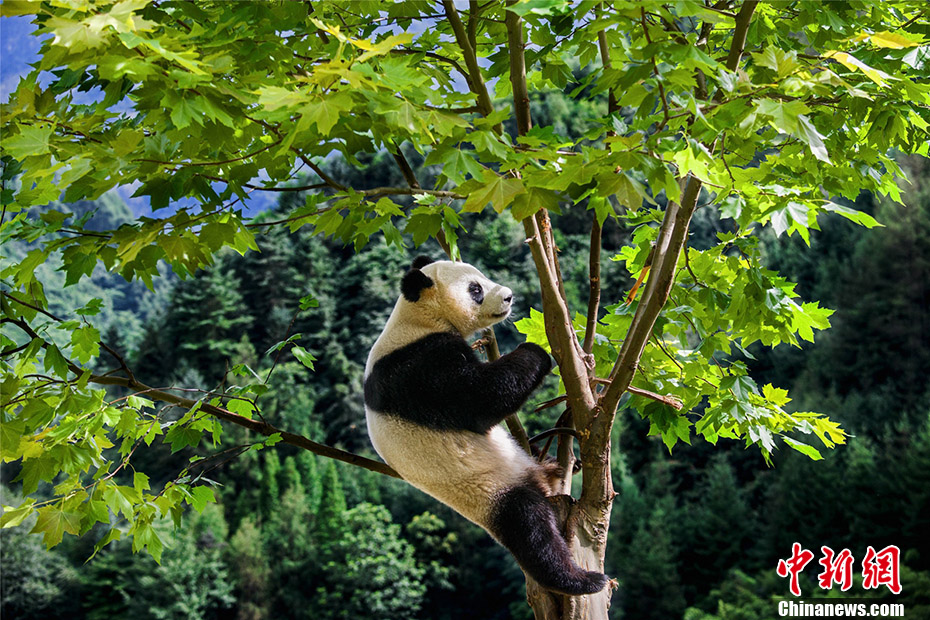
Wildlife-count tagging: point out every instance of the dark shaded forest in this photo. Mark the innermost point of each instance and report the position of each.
(696, 533)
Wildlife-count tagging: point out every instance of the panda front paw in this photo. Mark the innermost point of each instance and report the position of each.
(539, 356)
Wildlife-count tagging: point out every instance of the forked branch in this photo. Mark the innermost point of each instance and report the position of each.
(671, 239)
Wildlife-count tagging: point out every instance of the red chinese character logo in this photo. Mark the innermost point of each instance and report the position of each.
(881, 569)
(839, 570)
(794, 565)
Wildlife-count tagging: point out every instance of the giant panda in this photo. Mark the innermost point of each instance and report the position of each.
(434, 411)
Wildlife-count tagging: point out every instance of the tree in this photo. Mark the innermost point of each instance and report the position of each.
(369, 569)
(252, 572)
(651, 568)
(777, 114)
(191, 581)
(718, 523)
(35, 585)
(333, 505)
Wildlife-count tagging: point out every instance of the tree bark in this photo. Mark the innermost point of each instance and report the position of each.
(586, 521)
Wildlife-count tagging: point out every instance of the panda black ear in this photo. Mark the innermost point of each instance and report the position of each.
(420, 262)
(413, 284)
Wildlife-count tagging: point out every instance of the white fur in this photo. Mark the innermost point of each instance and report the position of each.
(445, 306)
(462, 469)
(459, 468)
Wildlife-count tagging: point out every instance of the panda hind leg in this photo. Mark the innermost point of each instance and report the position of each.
(552, 472)
(524, 522)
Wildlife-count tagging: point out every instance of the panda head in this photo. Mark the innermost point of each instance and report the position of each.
(456, 294)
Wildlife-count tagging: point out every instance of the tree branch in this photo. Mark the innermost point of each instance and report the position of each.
(559, 328)
(655, 72)
(319, 172)
(254, 425)
(209, 163)
(743, 19)
(474, 12)
(557, 430)
(434, 56)
(28, 305)
(594, 252)
(521, 97)
(594, 292)
(671, 401)
(383, 191)
(294, 188)
(671, 239)
(476, 81)
(405, 169)
(119, 359)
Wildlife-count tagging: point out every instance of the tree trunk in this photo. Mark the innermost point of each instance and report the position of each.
(587, 538)
(585, 522)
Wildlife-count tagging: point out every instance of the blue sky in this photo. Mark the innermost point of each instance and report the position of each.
(17, 49)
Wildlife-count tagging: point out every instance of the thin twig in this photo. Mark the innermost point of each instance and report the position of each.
(655, 71)
(405, 169)
(558, 430)
(434, 56)
(385, 191)
(254, 425)
(295, 188)
(28, 305)
(475, 80)
(319, 172)
(209, 163)
(551, 403)
(671, 401)
(122, 363)
(277, 357)
(13, 350)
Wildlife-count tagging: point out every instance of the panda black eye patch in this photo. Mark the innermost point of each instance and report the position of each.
(474, 289)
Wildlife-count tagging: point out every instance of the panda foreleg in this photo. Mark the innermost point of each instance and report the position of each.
(499, 388)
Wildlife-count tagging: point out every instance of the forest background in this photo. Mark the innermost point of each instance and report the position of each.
(696, 531)
(298, 536)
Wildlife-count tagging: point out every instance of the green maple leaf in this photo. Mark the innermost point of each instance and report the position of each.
(500, 192)
(77, 36)
(182, 436)
(803, 448)
(31, 140)
(303, 356)
(200, 496)
(325, 112)
(783, 115)
(458, 163)
(121, 499)
(145, 536)
(807, 132)
(53, 522)
(85, 343)
(532, 200)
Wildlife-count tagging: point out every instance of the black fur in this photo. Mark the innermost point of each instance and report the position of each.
(413, 283)
(476, 292)
(420, 262)
(524, 522)
(439, 382)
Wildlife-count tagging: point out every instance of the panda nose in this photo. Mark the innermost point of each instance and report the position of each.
(508, 298)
